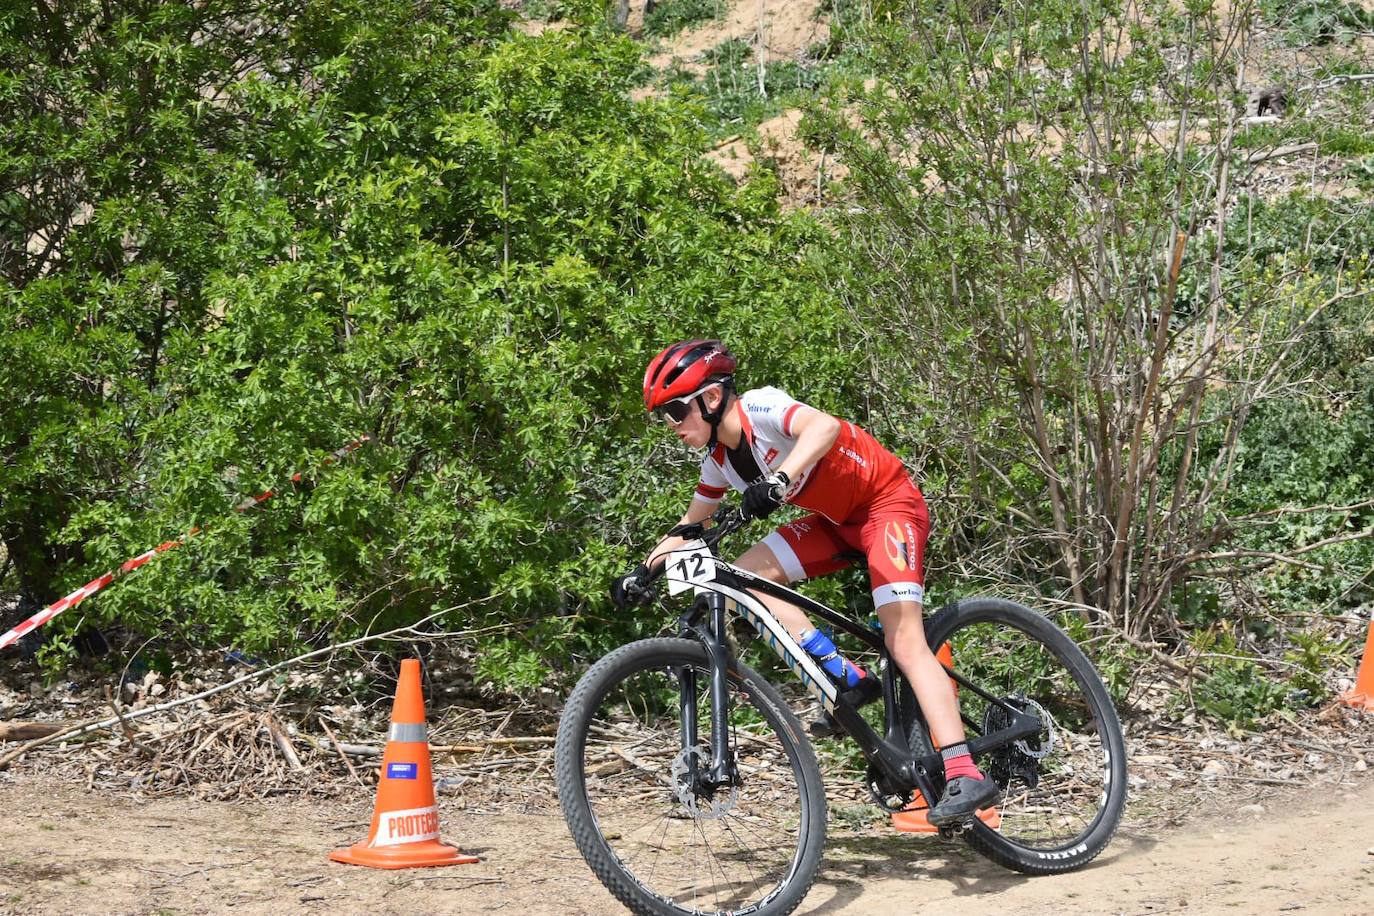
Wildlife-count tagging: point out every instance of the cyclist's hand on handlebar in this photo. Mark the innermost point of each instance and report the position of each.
(631, 589)
(765, 495)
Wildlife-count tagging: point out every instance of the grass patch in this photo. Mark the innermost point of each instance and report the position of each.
(1361, 174)
(731, 88)
(672, 16)
(1318, 22)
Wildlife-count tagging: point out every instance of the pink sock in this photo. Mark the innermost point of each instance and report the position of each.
(959, 762)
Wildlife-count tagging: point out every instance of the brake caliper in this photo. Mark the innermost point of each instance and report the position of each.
(699, 801)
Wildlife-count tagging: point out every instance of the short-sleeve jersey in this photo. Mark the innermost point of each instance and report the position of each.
(852, 474)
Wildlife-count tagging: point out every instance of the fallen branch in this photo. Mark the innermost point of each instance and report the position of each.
(1163, 657)
(349, 750)
(130, 733)
(1300, 510)
(223, 726)
(342, 756)
(1336, 81)
(1279, 152)
(375, 750)
(532, 740)
(1269, 557)
(283, 742)
(27, 731)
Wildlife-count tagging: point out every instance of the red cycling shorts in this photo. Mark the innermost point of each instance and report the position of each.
(890, 530)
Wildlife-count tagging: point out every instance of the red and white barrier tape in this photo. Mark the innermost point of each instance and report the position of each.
(95, 585)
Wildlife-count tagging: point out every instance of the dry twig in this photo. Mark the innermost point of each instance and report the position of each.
(412, 630)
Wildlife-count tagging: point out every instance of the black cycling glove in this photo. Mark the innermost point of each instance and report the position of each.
(631, 588)
(765, 495)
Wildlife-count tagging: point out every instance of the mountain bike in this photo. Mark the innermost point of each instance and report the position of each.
(691, 787)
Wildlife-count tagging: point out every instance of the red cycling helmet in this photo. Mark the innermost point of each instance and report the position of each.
(685, 368)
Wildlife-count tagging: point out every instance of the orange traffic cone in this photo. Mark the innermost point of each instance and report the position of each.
(405, 822)
(945, 656)
(1362, 696)
(912, 818)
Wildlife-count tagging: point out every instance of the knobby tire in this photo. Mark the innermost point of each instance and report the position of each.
(618, 741)
(1066, 819)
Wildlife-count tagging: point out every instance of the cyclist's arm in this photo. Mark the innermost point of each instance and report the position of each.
(698, 511)
(815, 433)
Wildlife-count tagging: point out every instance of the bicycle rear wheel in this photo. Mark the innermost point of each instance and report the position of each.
(1064, 789)
(657, 844)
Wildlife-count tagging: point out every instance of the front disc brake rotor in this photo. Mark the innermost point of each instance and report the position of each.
(693, 760)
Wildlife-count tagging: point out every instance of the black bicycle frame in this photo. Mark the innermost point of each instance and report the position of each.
(901, 769)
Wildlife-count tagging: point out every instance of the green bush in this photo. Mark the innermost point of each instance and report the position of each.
(1240, 694)
(1299, 233)
(1361, 172)
(467, 253)
(672, 16)
(1308, 22)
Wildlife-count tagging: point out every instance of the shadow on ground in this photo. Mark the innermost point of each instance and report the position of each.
(852, 862)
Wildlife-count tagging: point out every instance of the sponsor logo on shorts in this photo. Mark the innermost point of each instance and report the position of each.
(768, 458)
(797, 528)
(898, 591)
(900, 543)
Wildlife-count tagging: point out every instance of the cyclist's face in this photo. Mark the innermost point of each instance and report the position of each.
(694, 430)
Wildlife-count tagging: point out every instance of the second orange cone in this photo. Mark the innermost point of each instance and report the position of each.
(1361, 696)
(405, 821)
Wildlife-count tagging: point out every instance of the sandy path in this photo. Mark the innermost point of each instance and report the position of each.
(65, 851)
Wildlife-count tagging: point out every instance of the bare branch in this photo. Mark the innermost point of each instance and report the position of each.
(411, 629)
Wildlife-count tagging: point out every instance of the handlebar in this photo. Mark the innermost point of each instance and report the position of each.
(727, 520)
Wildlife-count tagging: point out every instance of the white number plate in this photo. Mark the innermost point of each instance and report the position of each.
(689, 568)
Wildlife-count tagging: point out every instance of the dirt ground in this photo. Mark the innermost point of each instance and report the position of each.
(786, 28)
(65, 850)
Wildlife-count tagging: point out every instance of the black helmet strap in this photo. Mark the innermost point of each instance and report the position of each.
(713, 417)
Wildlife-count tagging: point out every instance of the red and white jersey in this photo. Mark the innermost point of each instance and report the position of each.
(852, 474)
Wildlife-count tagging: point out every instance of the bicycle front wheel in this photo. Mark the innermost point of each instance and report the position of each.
(625, 782)
(1063, 789)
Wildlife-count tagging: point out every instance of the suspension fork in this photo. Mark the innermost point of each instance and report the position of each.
(711, 634)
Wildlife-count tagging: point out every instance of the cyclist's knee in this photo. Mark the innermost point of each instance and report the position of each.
(903, 629)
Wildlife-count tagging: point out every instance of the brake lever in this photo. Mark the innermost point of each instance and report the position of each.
(731, 517)
(727, 519)
(688, 532)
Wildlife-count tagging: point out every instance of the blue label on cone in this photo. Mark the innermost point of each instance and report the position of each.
(401, 771)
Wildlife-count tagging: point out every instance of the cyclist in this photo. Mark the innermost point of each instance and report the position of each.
(776, 450)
